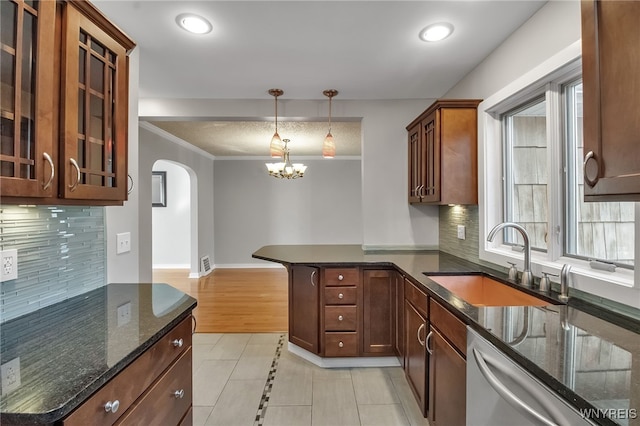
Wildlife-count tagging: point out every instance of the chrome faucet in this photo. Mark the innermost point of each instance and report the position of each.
(564, 282)
(527, 277)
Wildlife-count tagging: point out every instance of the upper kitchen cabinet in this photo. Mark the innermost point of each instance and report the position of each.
(443, 152)
(64, 104)
(94, 106)
(610, 67)
(27, 88)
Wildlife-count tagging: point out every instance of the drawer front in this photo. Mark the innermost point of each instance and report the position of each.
(449, 325)
(340, 295)
(131, 382)
(340, 344)
(417, 298)
(168, 400)
(341, 276)
(340, 318)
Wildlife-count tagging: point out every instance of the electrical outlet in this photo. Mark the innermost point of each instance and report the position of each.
(9, 265)
(124, 314)
(461, 232)
(10, 375)
(123, 242)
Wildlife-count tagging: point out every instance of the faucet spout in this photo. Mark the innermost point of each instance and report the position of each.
(564, 282)
(527, 277)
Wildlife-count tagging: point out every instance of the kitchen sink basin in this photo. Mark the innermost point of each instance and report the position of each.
(479, 290)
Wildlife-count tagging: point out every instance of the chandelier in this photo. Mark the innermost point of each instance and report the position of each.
(286, 170)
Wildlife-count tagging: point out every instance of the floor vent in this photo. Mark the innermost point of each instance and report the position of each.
(205, 265)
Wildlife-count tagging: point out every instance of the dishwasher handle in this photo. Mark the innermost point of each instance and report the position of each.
(507, 395)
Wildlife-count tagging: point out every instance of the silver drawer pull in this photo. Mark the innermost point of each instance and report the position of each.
(177, 343)
(112, 407)
(590, 169)
(340, 344)
(426, 345)
(340, 277)
(53, 171)
(179, 394)
(73, 186)
(340, 296)
(340, 318)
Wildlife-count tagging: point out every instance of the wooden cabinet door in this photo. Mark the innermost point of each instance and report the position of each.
(378, 311)
(94, 111)
(399, 320)
(27, 156)
(416, 355)
(447, 383)
(304, 305)
(610, 66)
(431, 128)
(416, 163)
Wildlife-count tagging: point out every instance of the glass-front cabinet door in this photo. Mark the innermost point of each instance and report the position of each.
(94, 111)
(27, 83)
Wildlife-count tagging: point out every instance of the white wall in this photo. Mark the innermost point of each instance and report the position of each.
(387, 219)
(253, 209)
(172, 224)
(153, 147)
(122, 268)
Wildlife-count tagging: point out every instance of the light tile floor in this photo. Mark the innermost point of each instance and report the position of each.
(232, 372)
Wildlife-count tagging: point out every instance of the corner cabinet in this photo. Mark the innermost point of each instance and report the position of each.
(443, 153)
(610, 69)
(64, 134)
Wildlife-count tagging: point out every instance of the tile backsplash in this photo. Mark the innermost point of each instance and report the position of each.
(61, 254)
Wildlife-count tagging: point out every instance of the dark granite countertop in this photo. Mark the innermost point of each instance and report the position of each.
(589, 356)
(69, 350)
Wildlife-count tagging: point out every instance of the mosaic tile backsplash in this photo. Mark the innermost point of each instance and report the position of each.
(61, 254)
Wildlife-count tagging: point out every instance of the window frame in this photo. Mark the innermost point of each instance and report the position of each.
(548, 78)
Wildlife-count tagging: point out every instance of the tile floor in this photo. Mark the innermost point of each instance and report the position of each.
(239, 379)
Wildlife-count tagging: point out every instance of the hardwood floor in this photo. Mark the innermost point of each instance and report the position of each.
(235, 300)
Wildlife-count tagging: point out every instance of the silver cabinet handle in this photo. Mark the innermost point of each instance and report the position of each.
(588, 159)
(130, 184)
(340, 296)
(418, 334)
(313, 273)
(177, 343)
(112, 406)
(53, 170)
(423, 191)
(195, 324)
(507, 395)
(340, 277)
(340, 318)
(74, 163)
(179, 394)
(426, 344)
(340, 344)
(419, 191)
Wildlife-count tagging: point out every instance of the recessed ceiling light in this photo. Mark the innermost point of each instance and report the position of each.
(193, 23)
(436, 32)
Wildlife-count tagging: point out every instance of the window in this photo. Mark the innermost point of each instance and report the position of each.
(543, 133)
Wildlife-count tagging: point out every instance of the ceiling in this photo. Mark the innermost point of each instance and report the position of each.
(367, 50)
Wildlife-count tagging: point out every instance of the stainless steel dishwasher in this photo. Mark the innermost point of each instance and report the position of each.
(500, 392)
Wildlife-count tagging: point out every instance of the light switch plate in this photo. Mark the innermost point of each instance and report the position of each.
(9, 266)
(124, 314)
(461, 232)
(123, 242)
(10, 375)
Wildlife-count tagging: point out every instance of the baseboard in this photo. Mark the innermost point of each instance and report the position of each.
(345, 362)
(172, 266)
(246, 265)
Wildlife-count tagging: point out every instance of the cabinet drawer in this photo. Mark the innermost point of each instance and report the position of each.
(341, 344)
(341, 276)
(449, 325)
(168, 400)
(131, 382)
(417, 298)
(340, 318)
(340, 295)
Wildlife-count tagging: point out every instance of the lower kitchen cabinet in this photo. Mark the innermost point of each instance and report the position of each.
(156, 388)
(415, 358)
(378, 309)
(304, 306)
(447, 383)
(446, 344)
